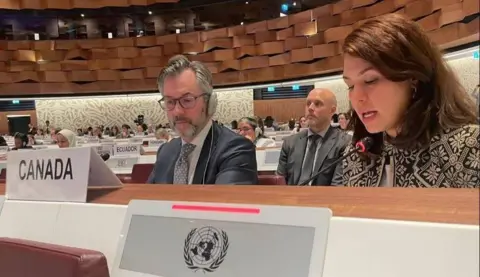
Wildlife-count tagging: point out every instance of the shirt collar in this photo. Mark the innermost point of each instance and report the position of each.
(321, 133)
(200, 138)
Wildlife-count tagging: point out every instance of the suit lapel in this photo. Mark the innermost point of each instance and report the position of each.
(171, 168)
(204, 154)
(327, 145)
(298, 155)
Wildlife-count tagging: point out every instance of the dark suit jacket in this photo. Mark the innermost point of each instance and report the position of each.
(293, 151)
(233, 160)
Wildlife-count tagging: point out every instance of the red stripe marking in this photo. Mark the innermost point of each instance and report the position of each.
(216, 209)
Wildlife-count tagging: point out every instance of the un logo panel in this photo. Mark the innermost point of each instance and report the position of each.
(205, 249)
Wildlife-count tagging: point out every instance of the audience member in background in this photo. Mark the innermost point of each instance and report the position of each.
(205, 153)
(247, 127)
(301, 124)
(3, 142)
(343, 120)
(334, 121)
(79, 132)
(270, 123)
(106, 132)
(261, 126)
(142, 129)
(21, 142)
(97, 132)
(410, 102)
(114, 132)
(31, 140)
(291, 124)
(125, 132)
(47, 127)
(162, 133)
(313, 150)
(89, 132)
(66, 139)
(234, 125)
(40, 132)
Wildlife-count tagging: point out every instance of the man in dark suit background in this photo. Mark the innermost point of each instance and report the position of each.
(313, 150)
(205, 153)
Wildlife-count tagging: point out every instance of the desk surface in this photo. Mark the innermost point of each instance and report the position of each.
(410, 204)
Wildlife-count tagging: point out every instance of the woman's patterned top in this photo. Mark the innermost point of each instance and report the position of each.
(451, 160)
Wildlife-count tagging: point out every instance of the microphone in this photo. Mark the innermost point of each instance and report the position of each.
(105, 156)
(361, 146)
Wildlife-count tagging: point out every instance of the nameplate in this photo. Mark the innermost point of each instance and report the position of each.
(126, 150)
(56, 174)
(156, 142)
(39, 147)
(104, 149)
(122, 162)
(92, 140)
(135, 140)
(272, 156)
(4, 149)
(110, 141)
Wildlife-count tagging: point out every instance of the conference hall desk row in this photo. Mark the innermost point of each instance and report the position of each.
(374, 232)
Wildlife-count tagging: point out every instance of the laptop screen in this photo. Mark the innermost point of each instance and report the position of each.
(183, 247)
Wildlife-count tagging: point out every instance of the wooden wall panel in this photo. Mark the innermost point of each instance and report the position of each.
(295, 46)
(73, 4)
(282, 110)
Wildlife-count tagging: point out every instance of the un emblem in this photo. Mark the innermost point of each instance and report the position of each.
(205, 249)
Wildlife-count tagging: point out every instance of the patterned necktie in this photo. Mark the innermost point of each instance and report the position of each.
(308, 164)
(180, 174)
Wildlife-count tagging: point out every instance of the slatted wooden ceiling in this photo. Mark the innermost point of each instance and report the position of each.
(299, 45)
(75, 4)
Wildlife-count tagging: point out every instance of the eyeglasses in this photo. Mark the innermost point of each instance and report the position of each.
(186, 102)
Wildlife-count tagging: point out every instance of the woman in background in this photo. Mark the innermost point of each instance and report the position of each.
(66, 139)
(21, 142)
(406, 98)
(248, 128)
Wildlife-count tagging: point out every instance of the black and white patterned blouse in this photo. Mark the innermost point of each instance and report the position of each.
(452, 160)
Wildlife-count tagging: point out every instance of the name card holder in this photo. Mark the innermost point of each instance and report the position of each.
(135, 140)
(4, 149)
(62, 175)
(156, 142)
(91, 139)
(122, 162)
(127, 149)
(272, 156)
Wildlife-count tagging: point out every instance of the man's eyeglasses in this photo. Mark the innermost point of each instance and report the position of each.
(186, 102)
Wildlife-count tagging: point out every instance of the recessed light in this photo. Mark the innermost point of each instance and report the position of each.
(36, 36)
(150, 12)
(294, 3)
(241, 23)
(82, 15)
(246, 3)
(177, 31)
(110, 35)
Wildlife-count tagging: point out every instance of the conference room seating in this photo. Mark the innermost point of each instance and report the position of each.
(24, 258)
(273, 180)
(3, 175)
(140, 173)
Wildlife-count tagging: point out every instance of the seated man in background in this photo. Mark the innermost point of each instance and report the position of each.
(205, 153)
(313, 150)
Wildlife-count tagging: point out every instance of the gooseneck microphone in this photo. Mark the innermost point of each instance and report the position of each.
(361, 146)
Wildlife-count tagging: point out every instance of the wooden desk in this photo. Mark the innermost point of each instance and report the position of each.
(410, 204)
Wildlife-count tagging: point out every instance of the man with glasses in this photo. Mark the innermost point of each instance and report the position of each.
(205, 153)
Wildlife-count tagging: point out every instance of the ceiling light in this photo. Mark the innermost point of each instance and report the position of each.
(150, 12)
(294, 3)
(36, 36)
(110, 35)
(82, 15)
(177, 31)
(246, 3)
(241, 23)
(282, 15)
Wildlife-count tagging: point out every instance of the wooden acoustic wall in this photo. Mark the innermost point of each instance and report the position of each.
(299, 45)
(282, 110)
(75, 4)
